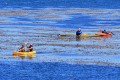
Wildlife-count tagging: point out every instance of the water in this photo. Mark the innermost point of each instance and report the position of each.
(36, 4)
(40, 21)
(61, 13)
(59, 71)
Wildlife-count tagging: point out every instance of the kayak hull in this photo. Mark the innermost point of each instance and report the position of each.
(24, 54)
(104, 35)
(82, 35)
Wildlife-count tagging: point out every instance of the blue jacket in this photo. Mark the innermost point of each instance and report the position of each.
(78, 32)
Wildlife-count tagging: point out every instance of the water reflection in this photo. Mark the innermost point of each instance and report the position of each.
(78, 38)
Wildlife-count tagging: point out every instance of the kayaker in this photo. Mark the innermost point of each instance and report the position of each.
(104, 31)
(78, 32)
(22, 49)
(30, 48)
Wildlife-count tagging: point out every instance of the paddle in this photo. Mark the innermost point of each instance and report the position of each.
(26, 45)
(17, 48)
(99, 30)
(112, 33)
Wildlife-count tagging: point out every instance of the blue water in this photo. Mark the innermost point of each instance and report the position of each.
(36, 4)
(56, 71)
(83, 15)
(86, 14)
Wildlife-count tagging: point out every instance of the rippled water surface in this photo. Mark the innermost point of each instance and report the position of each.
(40, 21)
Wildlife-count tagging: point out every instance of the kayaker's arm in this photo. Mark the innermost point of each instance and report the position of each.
(111, 33)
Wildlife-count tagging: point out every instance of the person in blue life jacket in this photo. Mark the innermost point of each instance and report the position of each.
(78, 32)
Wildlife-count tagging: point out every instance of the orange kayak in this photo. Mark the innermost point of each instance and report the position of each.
(103, 34)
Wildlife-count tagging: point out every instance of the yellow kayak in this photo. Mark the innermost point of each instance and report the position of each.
(82, 35)
(24, 54)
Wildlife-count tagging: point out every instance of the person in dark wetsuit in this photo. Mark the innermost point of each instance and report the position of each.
(78, 32)
(22, 49)
(104, 31)
(30, 48)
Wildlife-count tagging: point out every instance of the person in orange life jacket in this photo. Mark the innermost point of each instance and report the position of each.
(30, 48)
(78, 32)
(22, 49)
